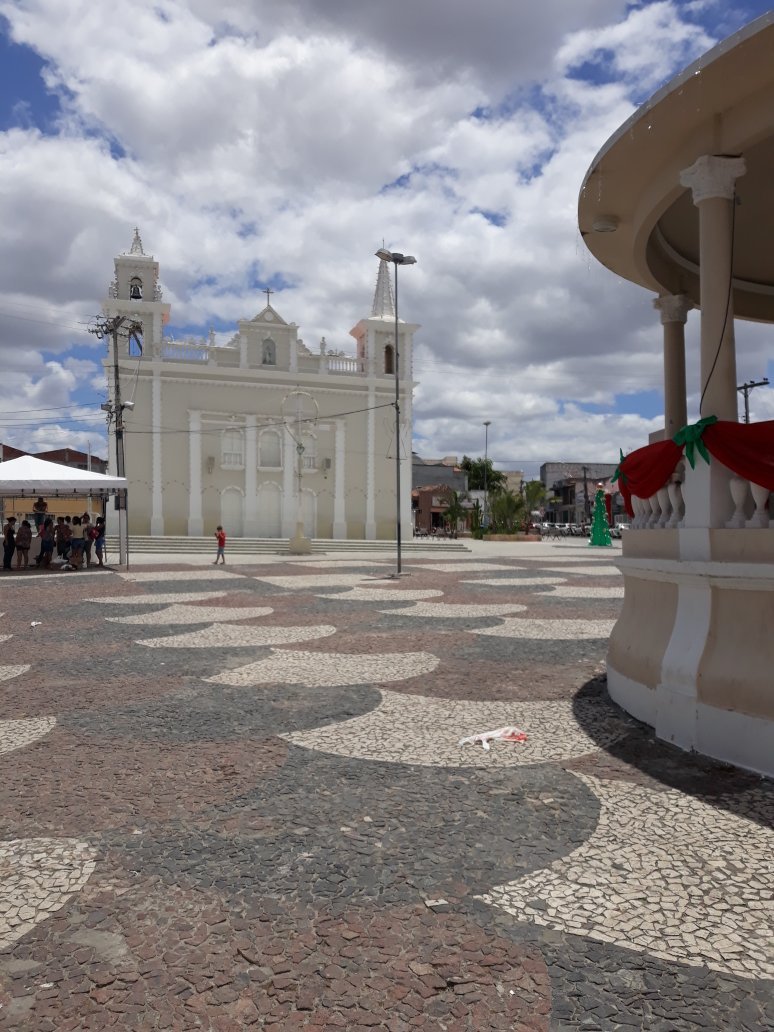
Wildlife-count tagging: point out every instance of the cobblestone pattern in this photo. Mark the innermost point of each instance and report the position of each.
(228, 636)
(9, 672)
(416, 730)
(258, 864)
(15, 734)
(629, 885)
(37, 877)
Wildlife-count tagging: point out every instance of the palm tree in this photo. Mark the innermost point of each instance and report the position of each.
(506, 509)
(534, 494)
(454, 510)
(495, 478)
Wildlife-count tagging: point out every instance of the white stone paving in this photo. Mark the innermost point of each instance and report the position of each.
(9, 672)
(570, 592)
(15, 734)
(37, 877)
(586, 571)
(154, 600)
(457, 611)
(515, 582)
(194, 614)
(198, 574)
(384, 594)
(228, 636)
(664, 873)
(324, 564)
(548, 629)
(425, 732)
(329, 669)
(461, 567)
(316, 580)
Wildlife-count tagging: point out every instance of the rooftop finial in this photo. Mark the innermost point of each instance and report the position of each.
(136, 247)
(384, 305)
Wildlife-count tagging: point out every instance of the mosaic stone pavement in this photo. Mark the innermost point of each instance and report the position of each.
(237, 799)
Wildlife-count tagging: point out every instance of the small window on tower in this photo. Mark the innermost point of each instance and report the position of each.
(389, 360)
(135, 289)
(269, 352)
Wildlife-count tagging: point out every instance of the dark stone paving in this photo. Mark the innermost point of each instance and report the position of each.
(241, 881)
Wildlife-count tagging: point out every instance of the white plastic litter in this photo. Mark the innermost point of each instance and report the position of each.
(36, 623)
(503, 734)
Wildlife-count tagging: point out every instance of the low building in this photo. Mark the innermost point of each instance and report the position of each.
(427, 472)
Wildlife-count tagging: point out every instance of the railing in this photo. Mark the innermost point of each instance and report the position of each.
(666, 508)
(185, 352)
(342, 364)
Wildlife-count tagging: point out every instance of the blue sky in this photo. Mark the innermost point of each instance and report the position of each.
(281, 148)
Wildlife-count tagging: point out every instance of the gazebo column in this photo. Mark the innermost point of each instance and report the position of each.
(707, 497)
(712, 181)
(674, 310)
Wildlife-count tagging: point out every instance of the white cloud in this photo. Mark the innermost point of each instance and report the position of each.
(258, 139)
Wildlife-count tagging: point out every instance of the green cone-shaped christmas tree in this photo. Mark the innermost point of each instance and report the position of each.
(600, 532)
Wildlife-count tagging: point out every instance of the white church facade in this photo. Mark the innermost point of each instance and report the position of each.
(261, 433)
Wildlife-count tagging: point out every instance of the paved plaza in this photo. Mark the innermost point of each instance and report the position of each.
(236, 798)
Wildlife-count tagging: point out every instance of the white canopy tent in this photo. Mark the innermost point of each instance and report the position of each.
(29, 476)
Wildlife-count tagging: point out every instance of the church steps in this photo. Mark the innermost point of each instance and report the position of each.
(139, 543)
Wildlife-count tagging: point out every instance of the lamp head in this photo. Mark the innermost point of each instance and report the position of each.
(385, 255)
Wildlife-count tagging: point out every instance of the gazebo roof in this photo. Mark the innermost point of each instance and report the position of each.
(638, 220)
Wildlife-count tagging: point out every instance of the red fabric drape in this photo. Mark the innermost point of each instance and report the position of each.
(746, 448)
(646, 470)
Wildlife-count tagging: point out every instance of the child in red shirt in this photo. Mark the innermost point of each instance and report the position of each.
(220, 534)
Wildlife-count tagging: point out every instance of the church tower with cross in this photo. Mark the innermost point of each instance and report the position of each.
(208, 440)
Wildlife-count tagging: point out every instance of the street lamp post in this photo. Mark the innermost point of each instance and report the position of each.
(487, 424)
(397, 259)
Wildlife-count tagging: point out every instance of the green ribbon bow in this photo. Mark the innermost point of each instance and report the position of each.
(690, 439)
(618, 471)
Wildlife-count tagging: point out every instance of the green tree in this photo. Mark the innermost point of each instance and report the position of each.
(454, 510)
(495, 478)
(534, 494)
(506, 509)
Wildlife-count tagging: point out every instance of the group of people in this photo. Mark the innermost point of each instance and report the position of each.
(75, 540)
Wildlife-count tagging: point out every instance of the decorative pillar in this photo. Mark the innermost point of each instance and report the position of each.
(289, 459)
(251, 478)
(157, 496)
(708, 501)
(712, 181)
(406, 424)
(195, 519)
(370, 520)
(674, 310)
(339, 474)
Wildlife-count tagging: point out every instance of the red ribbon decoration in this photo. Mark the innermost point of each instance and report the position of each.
(747, 449)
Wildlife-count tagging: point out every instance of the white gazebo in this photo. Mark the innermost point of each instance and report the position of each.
(680, 200)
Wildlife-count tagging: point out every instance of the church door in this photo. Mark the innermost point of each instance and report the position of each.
(232, 512)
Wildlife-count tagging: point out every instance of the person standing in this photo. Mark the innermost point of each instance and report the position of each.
(99, 540)
(76, 543)
(88, 537)
(23, 542)
(40, 508)
(9, 541)
(220, 534)
(46, 535)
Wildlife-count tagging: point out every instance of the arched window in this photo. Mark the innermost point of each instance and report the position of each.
(269, 352)
(270, 450)
(232, 454)
(310, 451)
(135, 288)
(389, 360)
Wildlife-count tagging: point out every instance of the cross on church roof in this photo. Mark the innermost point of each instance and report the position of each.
(268, 292)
